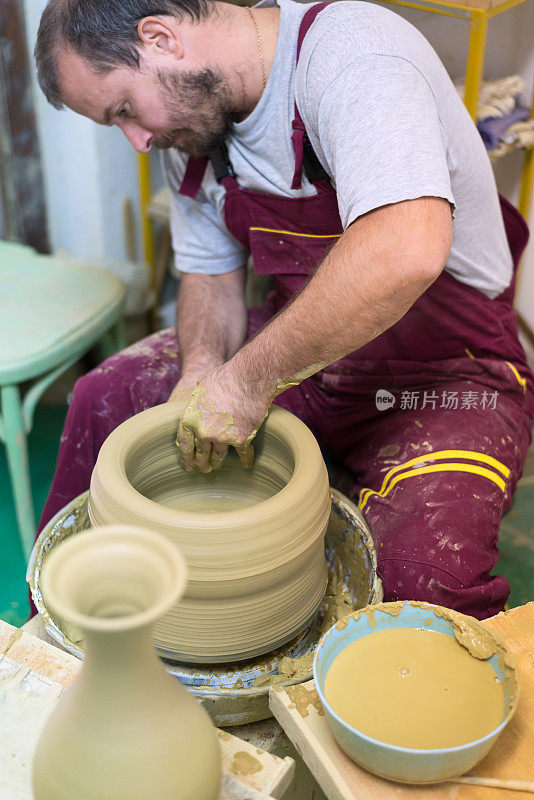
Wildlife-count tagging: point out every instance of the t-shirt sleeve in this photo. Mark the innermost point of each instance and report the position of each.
(200, 239)
(379, 131)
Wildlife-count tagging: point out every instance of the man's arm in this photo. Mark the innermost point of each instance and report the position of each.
(379, 267)
(211, 323)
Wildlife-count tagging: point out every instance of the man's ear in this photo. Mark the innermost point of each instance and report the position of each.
(159, 37)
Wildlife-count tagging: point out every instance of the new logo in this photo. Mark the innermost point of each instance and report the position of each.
(384, 400)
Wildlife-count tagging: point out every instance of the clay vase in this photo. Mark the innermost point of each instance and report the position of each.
(125, 729)
(253, 539)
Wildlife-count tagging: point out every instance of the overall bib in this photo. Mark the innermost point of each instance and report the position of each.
(432, 418)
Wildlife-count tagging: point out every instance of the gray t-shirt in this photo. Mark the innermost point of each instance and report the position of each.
(386, 123)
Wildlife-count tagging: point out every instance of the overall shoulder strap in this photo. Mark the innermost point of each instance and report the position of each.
(307, 21)
(305, 157)
(194, 175)
(220, 161)
(196, 170)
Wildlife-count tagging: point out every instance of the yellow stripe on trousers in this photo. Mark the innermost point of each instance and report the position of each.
(521, 381)
(472, 468)
(390, 481)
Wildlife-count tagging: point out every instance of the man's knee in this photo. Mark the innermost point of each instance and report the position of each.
(404, 579)
(94, 390)
(139, 377)
(101, 400)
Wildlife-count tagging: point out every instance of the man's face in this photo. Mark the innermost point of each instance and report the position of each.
(188, 110)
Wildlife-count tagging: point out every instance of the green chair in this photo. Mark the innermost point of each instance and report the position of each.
(52, 311)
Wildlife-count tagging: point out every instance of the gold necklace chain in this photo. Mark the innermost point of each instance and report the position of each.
(260, 46)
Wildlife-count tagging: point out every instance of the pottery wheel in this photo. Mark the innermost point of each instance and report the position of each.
(238, 693)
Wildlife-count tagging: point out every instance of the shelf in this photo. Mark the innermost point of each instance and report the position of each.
(463, 8)
(481, 5)
(159, 207)
(503, 149)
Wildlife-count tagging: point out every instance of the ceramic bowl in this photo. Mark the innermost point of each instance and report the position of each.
(403, 764)
(257, 572)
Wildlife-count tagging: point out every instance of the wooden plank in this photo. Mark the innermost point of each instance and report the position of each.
(233, 789)
(8, 635)
(48, 662)
(299, 711)
(481, 4)
(255, 767)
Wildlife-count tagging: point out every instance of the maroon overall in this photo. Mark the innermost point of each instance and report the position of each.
(432, 417)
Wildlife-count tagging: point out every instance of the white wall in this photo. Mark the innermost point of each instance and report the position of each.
(2, 224)
(89, 171)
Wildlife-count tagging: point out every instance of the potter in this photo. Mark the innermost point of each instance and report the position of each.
(328, 142)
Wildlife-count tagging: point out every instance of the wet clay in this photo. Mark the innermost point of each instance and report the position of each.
(290, 667)
(345, 590)
(201, 418)
(253, 539)
(210, 504)
(245, 764)
(303, 698)
(229, 489)
(415, 688)
(469, 633)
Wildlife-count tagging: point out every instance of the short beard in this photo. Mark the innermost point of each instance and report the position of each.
(206, 94)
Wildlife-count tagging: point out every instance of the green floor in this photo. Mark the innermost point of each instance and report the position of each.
(516, 541)
(43, 444)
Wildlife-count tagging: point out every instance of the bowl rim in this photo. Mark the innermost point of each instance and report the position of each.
(393, 747)
(281, 423)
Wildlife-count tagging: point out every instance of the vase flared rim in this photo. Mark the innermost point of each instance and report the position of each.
(108, 536)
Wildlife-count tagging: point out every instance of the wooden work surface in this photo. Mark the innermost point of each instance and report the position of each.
(511, 758)
(33, 676)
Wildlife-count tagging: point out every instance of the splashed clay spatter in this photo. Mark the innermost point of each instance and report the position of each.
(125, 730)
(253, 540)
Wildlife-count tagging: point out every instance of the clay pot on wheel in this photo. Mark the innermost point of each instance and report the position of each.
(125, 730)
(253, 539)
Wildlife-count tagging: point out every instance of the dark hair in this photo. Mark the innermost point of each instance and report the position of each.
(103, 32)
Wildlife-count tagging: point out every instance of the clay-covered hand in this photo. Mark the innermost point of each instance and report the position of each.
(184, 388)
(190, 375)
(220, 414)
